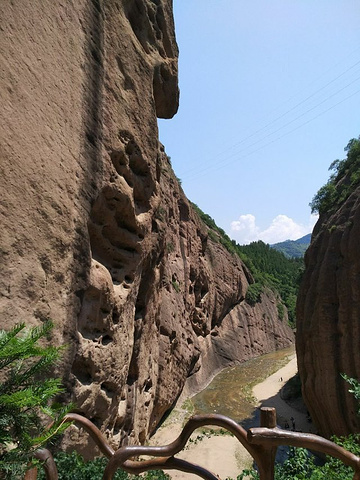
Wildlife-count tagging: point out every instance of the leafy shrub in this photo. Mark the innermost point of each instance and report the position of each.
(248, 473)
(72, 466)
(355, 388)
(25, 396)
(281, 311)
(253, 294)
(176, 286)
(170, 247)
(300, 464)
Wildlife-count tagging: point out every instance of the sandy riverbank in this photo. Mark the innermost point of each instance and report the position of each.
(223, 454)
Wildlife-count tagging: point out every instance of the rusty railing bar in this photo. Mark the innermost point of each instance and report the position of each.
(277, 436)
(48, 465)
(93, 431)
(261, 443)
(123, 454)
(167, 463)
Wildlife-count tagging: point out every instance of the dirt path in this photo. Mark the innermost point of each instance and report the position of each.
(268, 395)
(223, 454)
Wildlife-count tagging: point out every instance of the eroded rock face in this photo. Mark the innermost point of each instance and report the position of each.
(97, 232)
(328, 313)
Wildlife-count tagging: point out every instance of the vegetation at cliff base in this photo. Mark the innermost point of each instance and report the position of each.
(342, 182)
(26, 396)
(94, 469)
(301, 465)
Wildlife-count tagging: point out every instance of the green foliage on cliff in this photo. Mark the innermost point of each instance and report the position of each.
(253, 294)
(272, 269)
(342, 182)
(216, 233)
(269, 267)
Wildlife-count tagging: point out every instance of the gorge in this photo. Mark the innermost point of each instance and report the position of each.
(98, 235)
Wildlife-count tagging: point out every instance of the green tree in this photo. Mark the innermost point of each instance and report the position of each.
(26, 394)
(342, 182)
(253, 294)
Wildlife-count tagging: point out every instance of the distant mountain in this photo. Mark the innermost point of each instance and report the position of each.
(293, 248)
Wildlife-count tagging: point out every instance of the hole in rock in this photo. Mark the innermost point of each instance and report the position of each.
(82, 373)
(117, 427)
(96, 421)
(154, 226)
(108, 388)
(115, 317)
(131, 380)
(148, 385)
(106, 340)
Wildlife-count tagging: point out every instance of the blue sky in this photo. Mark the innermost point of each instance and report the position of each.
(269, 97)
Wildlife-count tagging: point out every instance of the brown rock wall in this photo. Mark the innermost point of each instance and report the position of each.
(245, 332)
(46, 164)
(97, 232)
(328, 313)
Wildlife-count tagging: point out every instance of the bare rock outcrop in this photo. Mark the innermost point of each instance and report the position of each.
(328, 312)
(96, 231)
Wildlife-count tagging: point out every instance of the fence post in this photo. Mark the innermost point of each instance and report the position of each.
(267, 464)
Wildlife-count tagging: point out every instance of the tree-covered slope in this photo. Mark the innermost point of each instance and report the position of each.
(269, 267)
(293, 248)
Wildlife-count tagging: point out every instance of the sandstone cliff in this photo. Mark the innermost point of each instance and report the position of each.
(328, 312)
(96, 231)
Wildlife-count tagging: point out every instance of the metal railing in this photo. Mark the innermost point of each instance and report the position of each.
(261, 443)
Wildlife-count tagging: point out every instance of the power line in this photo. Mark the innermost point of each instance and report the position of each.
(225, 163)
(199, 167)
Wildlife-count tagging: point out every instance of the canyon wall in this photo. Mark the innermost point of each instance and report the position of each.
(97, 233)
(328, 313)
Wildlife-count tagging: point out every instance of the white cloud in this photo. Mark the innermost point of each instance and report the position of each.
(244, 230)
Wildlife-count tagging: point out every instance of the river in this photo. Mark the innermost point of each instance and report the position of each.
(230, 392)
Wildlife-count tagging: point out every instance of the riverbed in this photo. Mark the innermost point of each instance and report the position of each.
(237, 392)
(230, 392)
